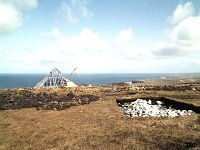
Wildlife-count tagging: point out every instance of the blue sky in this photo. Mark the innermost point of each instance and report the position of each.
(100, 36)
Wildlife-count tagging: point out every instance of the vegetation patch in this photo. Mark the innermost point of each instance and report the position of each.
(16, 99)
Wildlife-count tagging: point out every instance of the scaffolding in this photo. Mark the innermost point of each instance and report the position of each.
(54, 80)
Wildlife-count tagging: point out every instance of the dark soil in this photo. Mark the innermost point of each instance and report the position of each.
(16, 99)
(182, 87)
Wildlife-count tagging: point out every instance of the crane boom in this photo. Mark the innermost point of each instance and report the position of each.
(72, 73)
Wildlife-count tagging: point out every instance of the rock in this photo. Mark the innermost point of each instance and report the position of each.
(159, 102)
(70, 95)
(145, 108)
(149, 102)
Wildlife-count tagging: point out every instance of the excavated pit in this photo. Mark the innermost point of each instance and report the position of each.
(129, 106)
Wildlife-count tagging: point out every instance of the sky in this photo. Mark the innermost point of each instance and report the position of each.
(100, 36)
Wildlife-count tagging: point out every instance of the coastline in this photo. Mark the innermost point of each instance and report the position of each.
(30, 80)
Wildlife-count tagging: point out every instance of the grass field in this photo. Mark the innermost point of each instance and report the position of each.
(100, 125)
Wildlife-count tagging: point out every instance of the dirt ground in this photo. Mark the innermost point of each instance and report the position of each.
(101, 124)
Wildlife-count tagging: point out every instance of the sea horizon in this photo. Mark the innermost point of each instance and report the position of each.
(28, 80)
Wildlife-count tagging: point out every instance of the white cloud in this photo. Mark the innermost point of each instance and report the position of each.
(90, 44)
(55, 33)
(1, 52)
(87, 51)
(196, 62)
(68, 13)
(10, 18)
(24, 4)
(82, 5)
(11, 13)
(123, 37)
(184, 37)
(127, 49)
(75, 9)
(187, 30)
(166, 49)
(86, 42)
(181, 12)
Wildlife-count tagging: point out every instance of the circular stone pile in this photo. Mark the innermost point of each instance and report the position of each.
(145, 108)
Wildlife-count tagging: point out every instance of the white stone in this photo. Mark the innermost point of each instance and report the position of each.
(145, 108)
(149, 102)
(159, 102)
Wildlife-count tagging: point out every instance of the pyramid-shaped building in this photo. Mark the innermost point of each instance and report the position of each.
(54, 80)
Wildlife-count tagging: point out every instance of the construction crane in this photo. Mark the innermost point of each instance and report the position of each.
(70, 75)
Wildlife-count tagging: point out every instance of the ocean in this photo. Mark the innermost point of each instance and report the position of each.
(29, 80)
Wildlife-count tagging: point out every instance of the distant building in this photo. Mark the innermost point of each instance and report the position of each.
(54, 80)
(55, 72)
